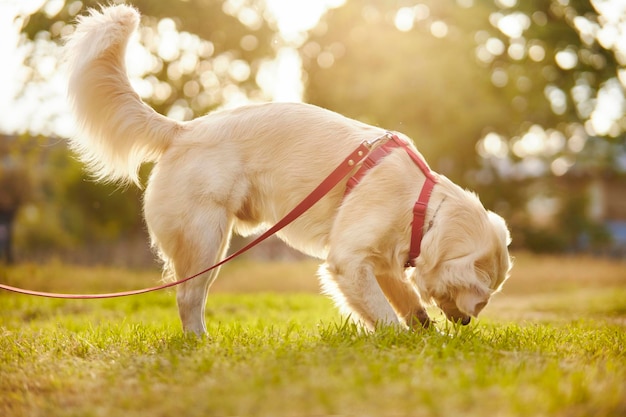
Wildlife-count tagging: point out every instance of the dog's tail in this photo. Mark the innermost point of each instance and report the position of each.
(117, 131)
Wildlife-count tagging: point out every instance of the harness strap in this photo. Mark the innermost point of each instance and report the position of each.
(370, 162)
(421, 204)
(419, 219)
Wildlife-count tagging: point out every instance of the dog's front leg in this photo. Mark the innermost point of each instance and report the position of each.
(404, 299)
(357, 293)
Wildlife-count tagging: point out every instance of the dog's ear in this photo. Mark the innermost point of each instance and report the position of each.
(472, 300)
(501, 255)
(500, 226)
(431, 252)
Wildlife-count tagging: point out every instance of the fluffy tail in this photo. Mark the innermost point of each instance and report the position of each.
(117, 131)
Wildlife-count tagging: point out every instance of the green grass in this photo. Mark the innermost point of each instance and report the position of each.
(554, 349)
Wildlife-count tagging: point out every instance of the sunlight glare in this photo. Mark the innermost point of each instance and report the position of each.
(532, 143)
(495, 46)
(53, 7)
(586, 28)
(566, 59)
(295, 17)
(543, 209)
(405, 18)
(168, 42)
(513, 25)
(492, 145)
(506, 3)
(561, 165)
(239, 70)
(536, 52)
(609, 107)
(517, 49)
(439, 29)
(282, 78)
(612, 31)
(578, 139)
(138, 60)
(557, 98)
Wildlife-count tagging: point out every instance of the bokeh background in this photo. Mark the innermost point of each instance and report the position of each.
(520, 100)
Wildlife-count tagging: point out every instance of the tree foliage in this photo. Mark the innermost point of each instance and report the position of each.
(449, 72)
(497, 94)
(15, 184)
(196, 55)
(557, 67)
(359, 63)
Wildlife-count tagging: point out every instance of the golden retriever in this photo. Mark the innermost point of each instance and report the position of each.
(244, 169)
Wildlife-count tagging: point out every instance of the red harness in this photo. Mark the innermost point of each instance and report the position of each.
(419, 209)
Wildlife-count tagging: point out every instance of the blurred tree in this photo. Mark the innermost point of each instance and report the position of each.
(561, 66)
(14, 192)
(495, 93)
(191, 57)
(195, 55)
(408, 66)
(450, 72)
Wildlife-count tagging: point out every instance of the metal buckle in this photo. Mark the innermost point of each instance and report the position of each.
(371, 144)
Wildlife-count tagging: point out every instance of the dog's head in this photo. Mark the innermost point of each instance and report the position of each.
(464, 259)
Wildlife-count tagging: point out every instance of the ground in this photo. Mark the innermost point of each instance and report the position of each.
(553, 343)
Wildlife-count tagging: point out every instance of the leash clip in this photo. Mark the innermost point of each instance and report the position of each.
(371, 144)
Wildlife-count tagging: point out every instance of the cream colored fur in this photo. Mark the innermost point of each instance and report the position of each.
(244, 169)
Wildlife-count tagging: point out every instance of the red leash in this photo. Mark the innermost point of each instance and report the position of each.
(348, 164)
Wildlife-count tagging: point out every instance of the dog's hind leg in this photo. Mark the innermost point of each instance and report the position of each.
(201, 243)
(356, 292)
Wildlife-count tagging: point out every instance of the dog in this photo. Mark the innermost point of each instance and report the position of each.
(242, 170)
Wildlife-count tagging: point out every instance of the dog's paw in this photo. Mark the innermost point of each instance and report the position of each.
(418, 320)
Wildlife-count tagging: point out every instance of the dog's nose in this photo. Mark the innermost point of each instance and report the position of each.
(466, 320)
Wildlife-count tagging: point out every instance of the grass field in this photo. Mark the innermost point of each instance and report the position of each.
(552, 344)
